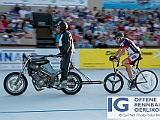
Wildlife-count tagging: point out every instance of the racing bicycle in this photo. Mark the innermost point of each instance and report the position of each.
(146, 81)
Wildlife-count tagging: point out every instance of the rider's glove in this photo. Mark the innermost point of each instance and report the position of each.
(113, 58)
(60, 54)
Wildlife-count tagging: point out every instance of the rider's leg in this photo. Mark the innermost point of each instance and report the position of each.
(126, 63)
(65, 68)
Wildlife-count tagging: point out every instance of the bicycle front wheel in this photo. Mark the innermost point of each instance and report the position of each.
(146, 81)
(113, 84)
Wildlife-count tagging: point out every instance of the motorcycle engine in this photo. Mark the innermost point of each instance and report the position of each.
(41, 78)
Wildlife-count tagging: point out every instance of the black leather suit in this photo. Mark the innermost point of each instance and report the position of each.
(67, 49)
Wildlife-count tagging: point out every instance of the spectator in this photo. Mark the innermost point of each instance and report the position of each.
(80, 42)
(87, 22)
(49, 9)
(72, 29)
(121, 15)
(131, 19)
(29, 11)
(157, 32)
(103, 11)
(15, 21)
(56, 36)
(97, 31)
(5, 39)
(87, 44)
(19, 31)
(94, 11)
(1, 27)
(111, 41)
(17, 8)
(93, 43)
(145, 38)
(110, 24)
(137, 34)
(154, 38)
(9, 30)
(108, 16)
(92, 27)
(121, 27)
(4, 21)
(79, 27)
(23, 13)
(75, 36)
(88, 36)
(12, 11)
(74, 14)
(102, 43)
(143, 28)
(55, 8)
(66, 13)
(28, 28)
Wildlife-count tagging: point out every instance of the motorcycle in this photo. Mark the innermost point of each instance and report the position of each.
(43, 76)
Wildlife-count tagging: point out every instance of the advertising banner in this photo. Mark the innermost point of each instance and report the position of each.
(11, 59)
(132, 4)
(44, 2)
(59, 3)
(99, 58)
(73, 3)
(13, 2)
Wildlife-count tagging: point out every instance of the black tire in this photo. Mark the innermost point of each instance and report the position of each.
(120, 79)
(8, 86)
(139, 81)
(76, 86)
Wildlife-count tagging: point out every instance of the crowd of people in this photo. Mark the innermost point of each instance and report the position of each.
(94, 28)
(15, 24)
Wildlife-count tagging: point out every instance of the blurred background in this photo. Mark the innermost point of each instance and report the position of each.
(30, 22)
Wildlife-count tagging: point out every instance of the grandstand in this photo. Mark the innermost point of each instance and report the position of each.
(94, 25)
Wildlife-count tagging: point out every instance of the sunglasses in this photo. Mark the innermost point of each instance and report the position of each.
(118, 38)
(58, 27)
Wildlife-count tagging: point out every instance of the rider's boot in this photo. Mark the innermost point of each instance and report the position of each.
(60, 85)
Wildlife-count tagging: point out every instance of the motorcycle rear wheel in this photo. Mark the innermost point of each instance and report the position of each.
(74, 84)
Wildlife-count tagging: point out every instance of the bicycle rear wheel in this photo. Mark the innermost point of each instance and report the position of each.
(113, 84)
(146, 81)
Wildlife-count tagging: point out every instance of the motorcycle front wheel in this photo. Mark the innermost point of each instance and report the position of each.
(74, 84)
(15, 83)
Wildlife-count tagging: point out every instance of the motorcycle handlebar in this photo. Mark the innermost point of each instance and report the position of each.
(24, 56)
(43, 56)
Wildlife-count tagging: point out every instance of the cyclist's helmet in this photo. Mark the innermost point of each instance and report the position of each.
(62, 25)
(119, 35)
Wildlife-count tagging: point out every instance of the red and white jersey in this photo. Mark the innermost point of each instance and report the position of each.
(130, 46)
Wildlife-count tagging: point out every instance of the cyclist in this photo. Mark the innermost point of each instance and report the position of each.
(66, 47)
(134, 55)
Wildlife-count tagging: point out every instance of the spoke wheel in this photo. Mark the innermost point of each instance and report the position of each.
(146, 81)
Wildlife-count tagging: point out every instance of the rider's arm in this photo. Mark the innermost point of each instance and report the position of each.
(120, 52)
(66, 43)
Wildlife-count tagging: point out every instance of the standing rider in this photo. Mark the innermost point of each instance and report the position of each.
(134, 55)
(66, 47)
